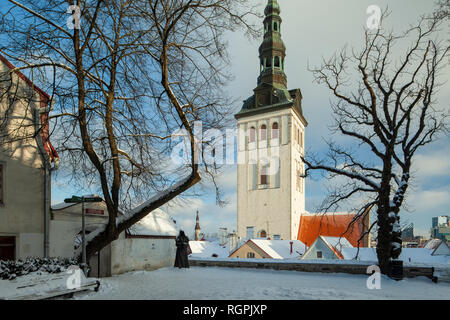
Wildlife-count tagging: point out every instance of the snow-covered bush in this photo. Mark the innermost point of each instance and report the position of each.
(10, 270)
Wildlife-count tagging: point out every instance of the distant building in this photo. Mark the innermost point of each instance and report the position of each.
(223, 235)
(197, 228)
(328, 248)
(408, 233)
(269, 249)
(440, 228)
(408, 238)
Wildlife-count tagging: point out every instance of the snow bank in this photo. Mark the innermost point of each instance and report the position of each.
(215, 283)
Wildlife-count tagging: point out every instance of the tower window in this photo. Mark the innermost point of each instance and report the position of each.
(263, 175)
(263, 133)
(252, 134)
(275, 26)
(268, 63)
(277, 62)
(275, 130)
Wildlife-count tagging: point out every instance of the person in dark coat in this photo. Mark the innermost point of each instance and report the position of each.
(181, 258)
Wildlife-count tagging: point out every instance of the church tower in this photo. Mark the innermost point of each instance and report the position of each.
(197, 228)
(271, 193)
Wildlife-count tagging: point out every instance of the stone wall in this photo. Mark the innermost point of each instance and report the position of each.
(360, 268)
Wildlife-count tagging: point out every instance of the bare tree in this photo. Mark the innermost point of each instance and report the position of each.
(125, 78)
(388, 114)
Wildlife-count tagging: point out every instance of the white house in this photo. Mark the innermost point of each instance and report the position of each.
(270, 249)
(327, 248)
(148, 245)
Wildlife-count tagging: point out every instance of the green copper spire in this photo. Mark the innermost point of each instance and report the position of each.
(272, 51)
(271, 92)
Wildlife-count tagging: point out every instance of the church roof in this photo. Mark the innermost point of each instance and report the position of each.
(331, 225)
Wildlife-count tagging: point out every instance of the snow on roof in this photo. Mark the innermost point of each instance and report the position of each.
(433, 244)
(206, 249)
(337, 242)
(62, 205)
(155, 223)
(281, 249)
(441, 249)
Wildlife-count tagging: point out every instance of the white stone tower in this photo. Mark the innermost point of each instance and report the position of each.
(271, 193)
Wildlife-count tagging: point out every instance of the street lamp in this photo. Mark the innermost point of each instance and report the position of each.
(82, 200)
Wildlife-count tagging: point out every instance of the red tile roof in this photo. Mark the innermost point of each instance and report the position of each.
(332, 225)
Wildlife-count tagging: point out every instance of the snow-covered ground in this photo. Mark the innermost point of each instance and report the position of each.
(213, 283)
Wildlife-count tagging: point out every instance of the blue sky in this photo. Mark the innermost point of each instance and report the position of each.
(312, 30)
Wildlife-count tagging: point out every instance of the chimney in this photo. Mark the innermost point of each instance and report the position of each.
(291, 243)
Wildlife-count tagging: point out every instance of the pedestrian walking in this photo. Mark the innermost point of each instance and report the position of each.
(181, 258)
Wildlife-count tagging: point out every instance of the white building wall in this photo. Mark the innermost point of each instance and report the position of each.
(22, 214)
(141, 254)
(276, 208)
(298, 192)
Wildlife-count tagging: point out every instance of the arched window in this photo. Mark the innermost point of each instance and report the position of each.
(275, 26)
(263, 234)
(263, 175)
(263, 133)
(275, 134)
(252, 134)
(277, 62)
(268, 63)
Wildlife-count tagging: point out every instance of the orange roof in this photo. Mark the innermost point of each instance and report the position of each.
(331, 225)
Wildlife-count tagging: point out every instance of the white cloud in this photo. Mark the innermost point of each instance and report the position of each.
(430, 165)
